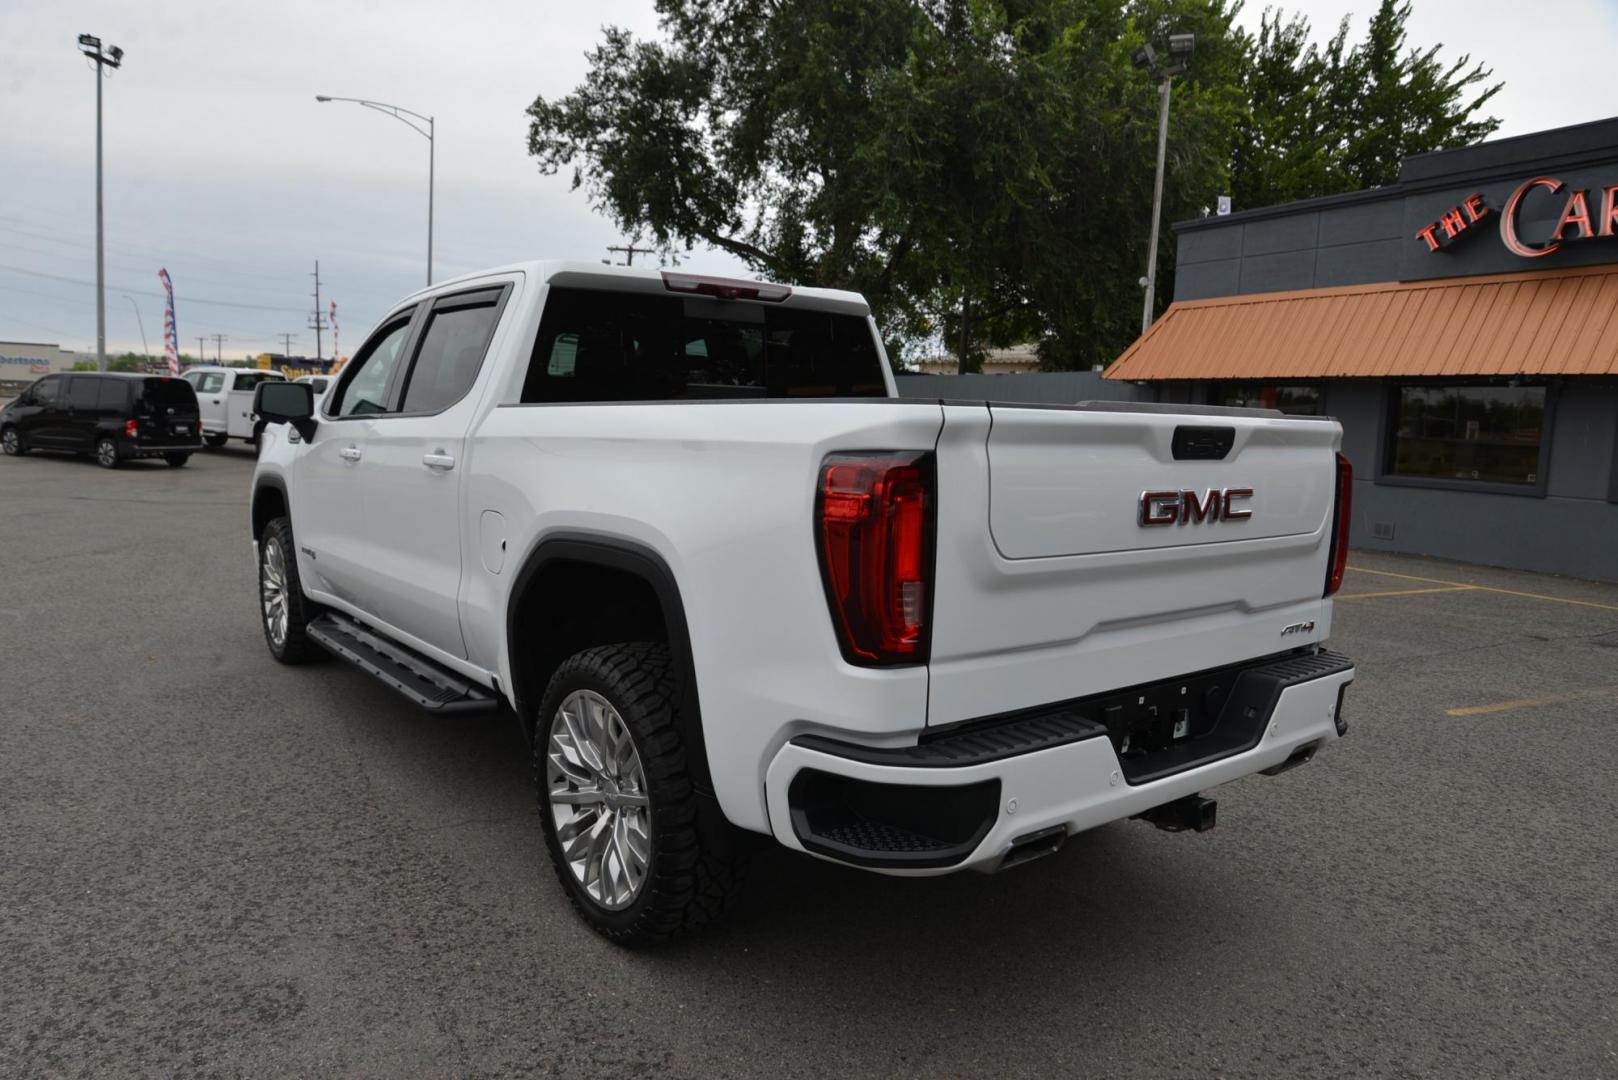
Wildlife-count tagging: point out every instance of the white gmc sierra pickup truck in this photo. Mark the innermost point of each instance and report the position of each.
(728, 582)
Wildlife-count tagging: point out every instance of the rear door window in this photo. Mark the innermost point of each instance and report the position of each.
(452, 347)
(605, 346)
(114, 396)
(247, 380)
(84, 392)
(210, 382)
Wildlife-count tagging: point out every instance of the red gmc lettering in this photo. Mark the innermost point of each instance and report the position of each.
(1186, 507)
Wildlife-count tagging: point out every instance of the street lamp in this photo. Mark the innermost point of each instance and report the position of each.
(140, 322)
(109, 57)
(1145, 58)
(401, 115)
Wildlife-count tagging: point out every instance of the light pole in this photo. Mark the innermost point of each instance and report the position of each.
(109, 57)
(402, 116)
(1145, 58)
(140, 322)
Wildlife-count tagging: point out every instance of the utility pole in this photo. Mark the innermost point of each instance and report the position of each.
(286, 343)
(317, 321)
(1145, 58)
(202, 350)
(219, 348)
(630, 251)
(110, 57)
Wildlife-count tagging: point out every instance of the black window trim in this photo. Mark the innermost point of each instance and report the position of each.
(476, 296)
(1386, 477)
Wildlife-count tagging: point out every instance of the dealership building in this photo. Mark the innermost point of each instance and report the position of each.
(1462, 323)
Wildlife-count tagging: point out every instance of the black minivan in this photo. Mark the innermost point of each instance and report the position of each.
(112, 416)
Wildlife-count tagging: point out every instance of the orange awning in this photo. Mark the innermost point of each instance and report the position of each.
(1550, 322)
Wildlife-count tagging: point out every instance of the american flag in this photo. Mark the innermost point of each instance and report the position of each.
(171, 329)
(336, 353)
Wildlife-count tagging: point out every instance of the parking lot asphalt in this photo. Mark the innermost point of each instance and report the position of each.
(213, 864)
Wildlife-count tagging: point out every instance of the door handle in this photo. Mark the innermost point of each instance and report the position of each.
(438, 460)
(349, 453)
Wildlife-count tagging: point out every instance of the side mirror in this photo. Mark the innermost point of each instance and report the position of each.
(286, 403)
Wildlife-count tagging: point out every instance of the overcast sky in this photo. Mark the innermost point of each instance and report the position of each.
(221, 166)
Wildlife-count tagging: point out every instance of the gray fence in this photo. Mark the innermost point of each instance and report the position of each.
(1045, 387)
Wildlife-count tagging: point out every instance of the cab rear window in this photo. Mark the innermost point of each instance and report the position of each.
(605, 346)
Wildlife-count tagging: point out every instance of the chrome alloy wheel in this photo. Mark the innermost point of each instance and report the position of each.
(272, 589)
(107, 453)
(11, 442)
(599, 805)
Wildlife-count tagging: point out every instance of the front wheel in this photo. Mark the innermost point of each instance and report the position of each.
(11, 443)
(176, 460)
(285, 612)
(107, 452)
(215, 441)
(619, 811)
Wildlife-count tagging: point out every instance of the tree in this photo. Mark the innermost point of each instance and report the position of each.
(1332, 119)
(980, 169)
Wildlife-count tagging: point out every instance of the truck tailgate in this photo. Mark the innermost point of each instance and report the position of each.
(1086, 549)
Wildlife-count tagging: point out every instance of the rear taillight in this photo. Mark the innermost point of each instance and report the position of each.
(1342, 514)
(130, 428)
(874, 521)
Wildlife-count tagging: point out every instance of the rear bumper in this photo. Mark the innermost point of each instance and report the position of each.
(910, 811)
(139, 450)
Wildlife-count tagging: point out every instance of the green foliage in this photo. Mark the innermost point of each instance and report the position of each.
(1337, 118)
(983, 166)
(127, 362)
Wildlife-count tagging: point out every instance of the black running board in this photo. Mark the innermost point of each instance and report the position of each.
(430, 685)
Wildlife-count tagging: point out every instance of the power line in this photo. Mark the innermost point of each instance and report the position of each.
(219, 347)
(145, 292)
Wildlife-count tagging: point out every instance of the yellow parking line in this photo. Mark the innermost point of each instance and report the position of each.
(1400, 592)
(1488, 588)
(1527, 703)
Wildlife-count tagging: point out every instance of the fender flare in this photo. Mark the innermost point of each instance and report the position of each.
(639, 560)
(267, 481)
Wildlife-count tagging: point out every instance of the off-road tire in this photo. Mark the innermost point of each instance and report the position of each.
(295, 647)
(698, 861)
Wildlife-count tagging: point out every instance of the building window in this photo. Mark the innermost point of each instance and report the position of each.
(1294, 400)
(1491, 434)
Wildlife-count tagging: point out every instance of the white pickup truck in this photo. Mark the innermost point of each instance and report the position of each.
(225, 401)
(728, 582)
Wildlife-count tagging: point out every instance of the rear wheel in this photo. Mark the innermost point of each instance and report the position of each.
(285, 613)
(215, 441)
(11, 443)
(627, 834)
(176, 459)
(107, 452)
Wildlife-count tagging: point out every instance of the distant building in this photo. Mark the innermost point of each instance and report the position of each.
(1018, 358)
(1462, 323)
(25, 361)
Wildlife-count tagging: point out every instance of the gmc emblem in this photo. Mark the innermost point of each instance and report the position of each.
(1185, 508)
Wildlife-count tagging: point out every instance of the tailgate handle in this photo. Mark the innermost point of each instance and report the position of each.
(1193, 442)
